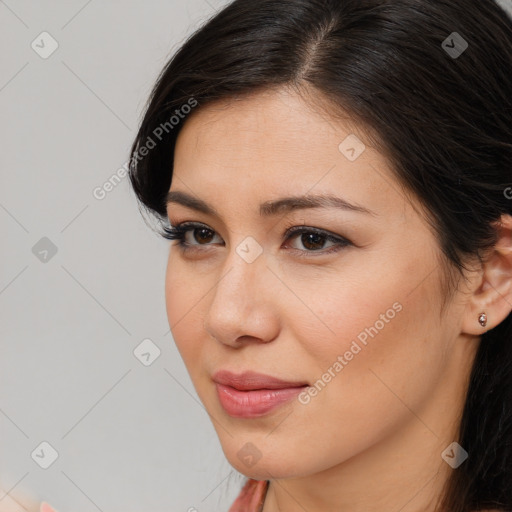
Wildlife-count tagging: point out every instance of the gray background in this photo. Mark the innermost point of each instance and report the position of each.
(129, 437)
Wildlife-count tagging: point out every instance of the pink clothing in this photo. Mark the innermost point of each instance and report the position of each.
(251, 497)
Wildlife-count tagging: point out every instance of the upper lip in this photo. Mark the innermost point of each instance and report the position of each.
(251, 380)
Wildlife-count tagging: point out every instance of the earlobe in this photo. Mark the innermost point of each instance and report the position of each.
(491, 301)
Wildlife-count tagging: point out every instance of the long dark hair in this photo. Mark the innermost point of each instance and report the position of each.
(431, 83)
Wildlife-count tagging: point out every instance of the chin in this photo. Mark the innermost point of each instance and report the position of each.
(265, 471)
(252, 462)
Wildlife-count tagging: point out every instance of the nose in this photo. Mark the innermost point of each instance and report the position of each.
(243, 308)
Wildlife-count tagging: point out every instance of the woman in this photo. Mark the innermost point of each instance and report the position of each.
(337, 175)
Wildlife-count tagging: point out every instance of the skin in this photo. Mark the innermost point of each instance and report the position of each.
(10, 504)
(372, 438)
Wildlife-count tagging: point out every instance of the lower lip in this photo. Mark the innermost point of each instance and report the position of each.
(252, 404)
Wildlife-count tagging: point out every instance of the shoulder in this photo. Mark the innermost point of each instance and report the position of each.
(251, 496)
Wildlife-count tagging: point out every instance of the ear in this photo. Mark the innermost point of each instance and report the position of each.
(492, 293)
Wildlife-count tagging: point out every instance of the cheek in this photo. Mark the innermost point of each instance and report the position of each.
(347, 319)
(378, 342)
(182, 300)
(362, 375)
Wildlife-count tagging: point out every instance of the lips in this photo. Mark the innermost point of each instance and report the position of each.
(249, 381)
(251, 394)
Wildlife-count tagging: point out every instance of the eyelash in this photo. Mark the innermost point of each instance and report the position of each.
(178, 233)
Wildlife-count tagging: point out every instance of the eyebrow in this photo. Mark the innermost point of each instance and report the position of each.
(272, 207)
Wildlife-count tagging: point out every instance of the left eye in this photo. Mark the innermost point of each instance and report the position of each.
(312, 239)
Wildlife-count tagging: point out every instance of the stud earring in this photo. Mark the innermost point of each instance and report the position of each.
(482, 319)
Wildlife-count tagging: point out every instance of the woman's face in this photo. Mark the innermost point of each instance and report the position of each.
(356, 318)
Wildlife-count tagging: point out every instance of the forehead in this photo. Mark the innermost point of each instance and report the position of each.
(274, 144)
(276, 128)
(274, 119)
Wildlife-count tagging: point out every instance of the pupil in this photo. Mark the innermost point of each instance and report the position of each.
(316, 239)
(202, 230)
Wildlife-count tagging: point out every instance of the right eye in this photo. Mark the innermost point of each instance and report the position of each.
(180, 231)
